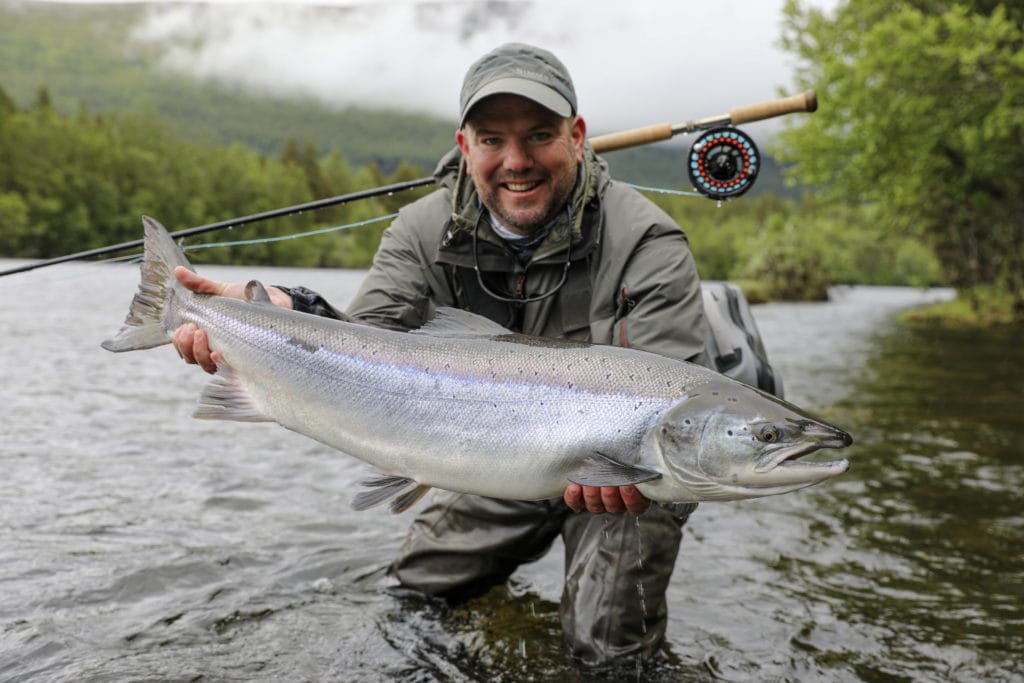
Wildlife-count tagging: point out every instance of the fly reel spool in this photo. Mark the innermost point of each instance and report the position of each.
(723, 163)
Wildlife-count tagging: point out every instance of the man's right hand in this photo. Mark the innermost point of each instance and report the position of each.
(192, 343)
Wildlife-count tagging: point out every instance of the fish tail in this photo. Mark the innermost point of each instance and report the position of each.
(144, 327)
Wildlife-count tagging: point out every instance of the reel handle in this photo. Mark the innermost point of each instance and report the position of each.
(805, 101)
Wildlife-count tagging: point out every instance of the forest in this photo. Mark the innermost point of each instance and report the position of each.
(910, 175)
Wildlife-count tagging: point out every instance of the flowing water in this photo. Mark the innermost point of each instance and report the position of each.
(139, 544)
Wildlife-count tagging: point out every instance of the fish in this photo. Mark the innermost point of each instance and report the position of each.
(466, 405)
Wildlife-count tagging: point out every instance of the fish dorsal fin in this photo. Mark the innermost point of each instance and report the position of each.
(454, 322)
(600, 470)
(256, 292)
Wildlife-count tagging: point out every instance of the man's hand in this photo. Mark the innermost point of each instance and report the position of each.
(191, 342)
(598, 499)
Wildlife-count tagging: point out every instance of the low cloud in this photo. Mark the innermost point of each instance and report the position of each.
(634, 64)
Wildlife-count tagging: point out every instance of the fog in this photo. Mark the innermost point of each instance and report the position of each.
(633, 63)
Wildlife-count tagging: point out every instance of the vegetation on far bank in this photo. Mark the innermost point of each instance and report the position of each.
(977, 307)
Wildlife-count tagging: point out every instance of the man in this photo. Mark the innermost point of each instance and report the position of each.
(529, 230)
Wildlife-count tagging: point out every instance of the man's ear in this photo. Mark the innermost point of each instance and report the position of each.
(462, 142)
(579, 136)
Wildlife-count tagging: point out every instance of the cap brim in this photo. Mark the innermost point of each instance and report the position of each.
(541, 94)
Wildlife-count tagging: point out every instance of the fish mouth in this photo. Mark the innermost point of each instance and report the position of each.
(814, 438)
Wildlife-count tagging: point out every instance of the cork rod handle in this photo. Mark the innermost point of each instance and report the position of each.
(631, 138)
(804, 102)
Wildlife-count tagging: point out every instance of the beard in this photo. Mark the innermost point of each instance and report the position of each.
(528, 218)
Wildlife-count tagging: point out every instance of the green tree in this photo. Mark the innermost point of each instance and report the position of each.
(922, 118)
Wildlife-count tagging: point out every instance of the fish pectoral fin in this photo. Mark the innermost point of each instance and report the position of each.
(225, 398)
(600, 470)
(396, 489)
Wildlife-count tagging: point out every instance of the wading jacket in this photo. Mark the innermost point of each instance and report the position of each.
(631, 277)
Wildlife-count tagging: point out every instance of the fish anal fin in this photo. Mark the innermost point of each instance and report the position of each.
(226, 398)
(600, 470)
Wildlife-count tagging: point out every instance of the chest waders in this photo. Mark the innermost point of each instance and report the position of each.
(460, 546)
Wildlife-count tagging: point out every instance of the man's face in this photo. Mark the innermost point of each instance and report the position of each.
(522, 158)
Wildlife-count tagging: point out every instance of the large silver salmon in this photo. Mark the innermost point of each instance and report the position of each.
(465, 405)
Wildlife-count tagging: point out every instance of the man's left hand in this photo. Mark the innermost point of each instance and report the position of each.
(598, 499)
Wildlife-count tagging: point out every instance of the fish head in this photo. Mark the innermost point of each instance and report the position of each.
(733, 441)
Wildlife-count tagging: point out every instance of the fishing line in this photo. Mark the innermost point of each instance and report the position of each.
(662, 190)
(136, 258)
(294, 236)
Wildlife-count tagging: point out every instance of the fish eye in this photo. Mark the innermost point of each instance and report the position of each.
(769, 434)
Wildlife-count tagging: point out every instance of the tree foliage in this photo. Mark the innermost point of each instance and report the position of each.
(72, 183)
(921, 118)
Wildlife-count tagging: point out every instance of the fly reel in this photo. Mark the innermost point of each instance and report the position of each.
(723, 163)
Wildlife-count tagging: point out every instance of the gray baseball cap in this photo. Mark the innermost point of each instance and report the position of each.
(519, 69)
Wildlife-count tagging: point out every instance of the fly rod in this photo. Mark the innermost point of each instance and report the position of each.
(804, 102)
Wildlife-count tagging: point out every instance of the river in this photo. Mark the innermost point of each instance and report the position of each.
(139, 544)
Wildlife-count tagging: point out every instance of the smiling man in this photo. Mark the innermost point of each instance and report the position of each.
(529, 230)
(522, 158)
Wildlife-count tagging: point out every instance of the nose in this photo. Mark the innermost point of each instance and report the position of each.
(517, 157)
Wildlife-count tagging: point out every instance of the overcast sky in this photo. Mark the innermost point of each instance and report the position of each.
(634, 62)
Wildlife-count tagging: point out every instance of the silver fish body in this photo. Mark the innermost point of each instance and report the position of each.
(465, 405)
